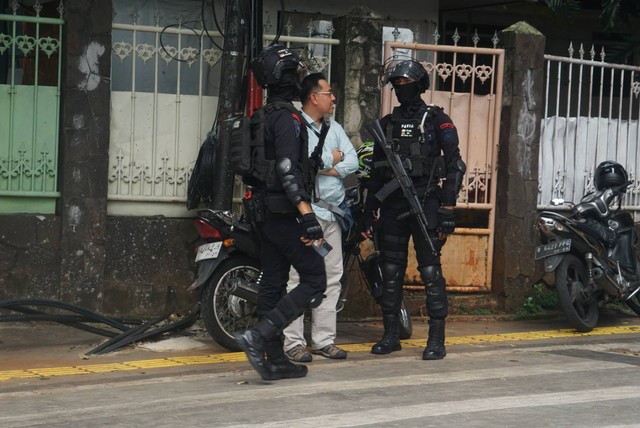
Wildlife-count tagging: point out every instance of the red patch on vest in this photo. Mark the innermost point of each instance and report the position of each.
(295, 116)
(447, 125)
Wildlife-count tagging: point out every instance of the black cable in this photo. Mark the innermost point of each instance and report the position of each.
(194, 32)
(116, 342)
(92, 315)
(215, 17)
(279, 26)
(204, 26)
(182, 323)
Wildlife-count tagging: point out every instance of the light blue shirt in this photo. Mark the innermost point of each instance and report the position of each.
(330, 188)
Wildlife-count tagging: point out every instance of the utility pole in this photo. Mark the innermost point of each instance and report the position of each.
(232, 74)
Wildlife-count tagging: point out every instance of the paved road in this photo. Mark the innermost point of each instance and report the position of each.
(550, 378)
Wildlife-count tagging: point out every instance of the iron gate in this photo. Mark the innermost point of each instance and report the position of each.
(467, 83)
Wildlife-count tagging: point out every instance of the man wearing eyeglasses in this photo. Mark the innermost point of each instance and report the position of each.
(339, 159)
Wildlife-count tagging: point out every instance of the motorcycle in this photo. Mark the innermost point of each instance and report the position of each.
(229, 273)
(591, 254)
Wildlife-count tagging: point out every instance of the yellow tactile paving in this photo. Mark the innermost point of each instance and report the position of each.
(239, 356)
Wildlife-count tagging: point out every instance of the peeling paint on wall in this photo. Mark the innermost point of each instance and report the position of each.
(78, 121)
(526, 126)
(88, 65)
(74, 217)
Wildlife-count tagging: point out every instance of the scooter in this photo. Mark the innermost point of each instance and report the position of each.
(229, 273)
(590, 254)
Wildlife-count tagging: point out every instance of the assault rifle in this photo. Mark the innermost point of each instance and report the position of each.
(401, 180)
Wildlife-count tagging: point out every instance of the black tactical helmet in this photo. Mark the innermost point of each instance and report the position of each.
(609, 174)
(410, 69)
(272, 62)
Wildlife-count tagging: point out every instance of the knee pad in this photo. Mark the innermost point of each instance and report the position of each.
(393, 280)
(435, 288)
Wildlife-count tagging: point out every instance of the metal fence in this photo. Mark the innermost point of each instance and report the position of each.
(592, 113)
(164, 98)
(30, 77)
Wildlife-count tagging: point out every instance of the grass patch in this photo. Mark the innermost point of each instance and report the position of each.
(542, 301)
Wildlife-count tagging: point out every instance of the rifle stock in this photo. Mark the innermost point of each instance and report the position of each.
(408, 190)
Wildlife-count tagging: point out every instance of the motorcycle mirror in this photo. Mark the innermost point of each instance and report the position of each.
(557, 202)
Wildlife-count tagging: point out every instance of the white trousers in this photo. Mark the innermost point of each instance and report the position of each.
(323, 318)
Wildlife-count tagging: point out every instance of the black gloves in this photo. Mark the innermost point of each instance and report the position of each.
(312, 229)
(365, 222)
(446, 220)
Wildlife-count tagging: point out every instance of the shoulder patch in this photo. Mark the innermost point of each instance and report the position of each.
(446, 125)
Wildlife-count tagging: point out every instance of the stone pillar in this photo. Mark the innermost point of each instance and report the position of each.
(514, 270)
(356, 66)
(84, 155)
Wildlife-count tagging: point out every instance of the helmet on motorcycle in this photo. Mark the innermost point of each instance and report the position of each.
(609, 174)
(365, 159)
(272, 62)
(410, 69)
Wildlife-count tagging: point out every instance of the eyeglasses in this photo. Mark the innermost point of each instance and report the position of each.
(330, 93)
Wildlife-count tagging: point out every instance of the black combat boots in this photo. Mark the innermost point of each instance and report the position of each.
(278, 364)
(390, 341)
(435, 349)
(253, 343)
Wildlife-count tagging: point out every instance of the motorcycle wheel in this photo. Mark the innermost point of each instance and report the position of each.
(405, 330)
(578, 303)
(223, 313)
(634, 303)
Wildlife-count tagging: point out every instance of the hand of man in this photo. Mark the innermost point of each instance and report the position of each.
(365, 223)
(446, 221)
(312, 229)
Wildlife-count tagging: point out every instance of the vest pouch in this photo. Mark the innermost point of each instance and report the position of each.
(240, 151)
(279, 204)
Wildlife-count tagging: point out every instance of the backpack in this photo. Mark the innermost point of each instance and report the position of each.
(247, 152)
(200, 186)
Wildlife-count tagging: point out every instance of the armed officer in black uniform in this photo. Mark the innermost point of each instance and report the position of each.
(286, 224)
(427, 142)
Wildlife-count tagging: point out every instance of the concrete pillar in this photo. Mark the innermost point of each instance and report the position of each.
(356, 66)
(84, 145)
(514, 270)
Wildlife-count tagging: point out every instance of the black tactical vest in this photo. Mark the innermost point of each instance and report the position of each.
(416, 142)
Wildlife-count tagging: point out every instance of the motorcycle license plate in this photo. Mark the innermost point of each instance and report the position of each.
(208, 251)
(553, 248)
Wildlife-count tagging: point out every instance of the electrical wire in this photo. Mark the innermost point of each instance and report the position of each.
(215, 20)
(194, 32)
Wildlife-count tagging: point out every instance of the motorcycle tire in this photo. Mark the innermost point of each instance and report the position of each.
(634, 303)
(405, 330)
(580, 308)
(222, 312)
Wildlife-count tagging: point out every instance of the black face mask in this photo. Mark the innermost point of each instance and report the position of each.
(288, 87)
(407, 93)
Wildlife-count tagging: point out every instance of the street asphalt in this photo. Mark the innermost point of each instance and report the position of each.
(497, 372)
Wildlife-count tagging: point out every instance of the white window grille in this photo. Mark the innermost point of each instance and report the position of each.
(591, 115)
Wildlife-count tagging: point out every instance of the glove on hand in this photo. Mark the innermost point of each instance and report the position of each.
(365, 222)
(312, 229)
(446, 220)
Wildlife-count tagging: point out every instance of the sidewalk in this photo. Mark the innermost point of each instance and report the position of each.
(43, 344)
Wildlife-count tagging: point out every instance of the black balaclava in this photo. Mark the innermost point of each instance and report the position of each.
(288, 88)
(408, 92)
(409, 97)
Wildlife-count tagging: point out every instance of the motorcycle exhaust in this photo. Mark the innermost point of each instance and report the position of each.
(243, 289)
